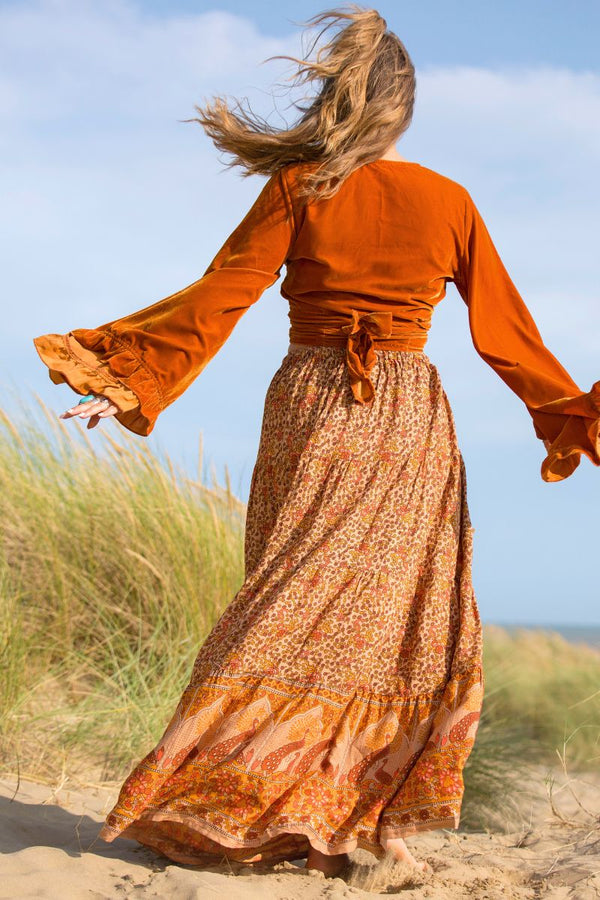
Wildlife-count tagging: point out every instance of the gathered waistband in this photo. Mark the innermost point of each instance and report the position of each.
(294, 347)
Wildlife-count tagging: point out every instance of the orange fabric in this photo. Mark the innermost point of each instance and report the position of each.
(82, 370)
(387, 243)
(359, 338)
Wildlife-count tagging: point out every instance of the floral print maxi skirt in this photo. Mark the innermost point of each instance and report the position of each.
(336, 700)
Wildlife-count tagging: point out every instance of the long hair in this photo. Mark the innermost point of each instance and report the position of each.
(364, 104)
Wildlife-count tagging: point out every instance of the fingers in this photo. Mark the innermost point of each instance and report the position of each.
(95, 410)
(106, 412)
(83, 410)
(93, 421)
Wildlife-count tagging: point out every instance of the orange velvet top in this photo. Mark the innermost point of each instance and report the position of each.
(364, 269)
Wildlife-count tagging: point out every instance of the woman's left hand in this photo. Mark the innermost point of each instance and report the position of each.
(95, 410)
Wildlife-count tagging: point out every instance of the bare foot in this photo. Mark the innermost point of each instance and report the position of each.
(331, 866)
(403, 854)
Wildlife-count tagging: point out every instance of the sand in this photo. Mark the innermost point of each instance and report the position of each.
(49, 849)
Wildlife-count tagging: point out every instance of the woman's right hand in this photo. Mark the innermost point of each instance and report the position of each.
(95, 410)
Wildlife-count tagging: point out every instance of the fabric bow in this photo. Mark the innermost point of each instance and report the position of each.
(360, 352)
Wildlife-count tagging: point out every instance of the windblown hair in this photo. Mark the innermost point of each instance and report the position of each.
(364, 104)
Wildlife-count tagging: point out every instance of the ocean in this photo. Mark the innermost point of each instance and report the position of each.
(576, 634)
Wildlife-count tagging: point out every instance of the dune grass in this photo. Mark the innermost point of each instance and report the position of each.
(114, 566)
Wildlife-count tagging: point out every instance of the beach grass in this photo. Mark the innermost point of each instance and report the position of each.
(114, 566)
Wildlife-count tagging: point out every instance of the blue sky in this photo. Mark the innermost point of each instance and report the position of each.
(111, 203)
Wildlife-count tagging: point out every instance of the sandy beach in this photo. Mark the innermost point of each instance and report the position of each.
(50, 850)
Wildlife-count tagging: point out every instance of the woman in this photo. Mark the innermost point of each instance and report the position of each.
(336, 701)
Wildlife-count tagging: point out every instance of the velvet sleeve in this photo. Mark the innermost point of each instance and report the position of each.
(145, 360)
(505, 335)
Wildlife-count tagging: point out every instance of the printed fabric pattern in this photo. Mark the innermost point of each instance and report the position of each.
(337, 699)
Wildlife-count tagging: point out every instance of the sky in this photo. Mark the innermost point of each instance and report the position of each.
(111, 202)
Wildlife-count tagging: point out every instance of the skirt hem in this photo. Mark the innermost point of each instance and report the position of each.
(137, 832)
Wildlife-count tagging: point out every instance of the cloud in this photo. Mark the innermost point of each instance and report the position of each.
(517, 110)
(103, 186)
(78, 60)
(526, 143)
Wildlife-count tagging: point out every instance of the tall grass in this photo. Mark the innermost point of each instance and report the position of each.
(114, 565)
(550, 689)
(113, 568)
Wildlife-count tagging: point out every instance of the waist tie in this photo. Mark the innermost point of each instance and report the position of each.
(314, 326)
(360, 352)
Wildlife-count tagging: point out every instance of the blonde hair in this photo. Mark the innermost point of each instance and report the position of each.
(364, 104)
